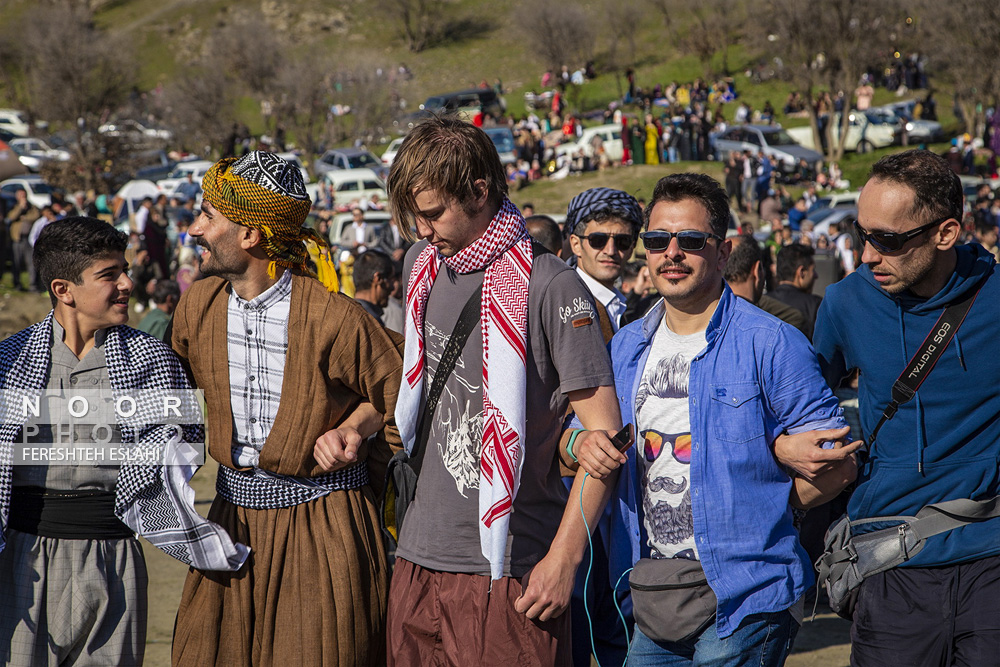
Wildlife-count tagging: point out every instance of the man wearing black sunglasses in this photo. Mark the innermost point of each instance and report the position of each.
(709, 380)
(942, 605)
(603, 225)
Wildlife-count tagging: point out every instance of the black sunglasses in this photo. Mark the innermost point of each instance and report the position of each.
(893, 241)
(687, 240)
(598, 241)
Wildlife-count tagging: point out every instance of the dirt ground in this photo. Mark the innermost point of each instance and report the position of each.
(823, 642)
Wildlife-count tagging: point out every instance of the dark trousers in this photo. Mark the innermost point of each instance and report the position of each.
(21, 251)
(931, 617)
(609, 635)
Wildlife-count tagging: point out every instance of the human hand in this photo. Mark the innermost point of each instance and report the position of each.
(337, 448)
(597, 454)
(804, 452)
(547, 588)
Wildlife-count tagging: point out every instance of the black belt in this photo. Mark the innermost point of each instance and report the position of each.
(69, 515)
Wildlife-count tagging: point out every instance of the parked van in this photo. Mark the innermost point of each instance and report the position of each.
(351, 184)
(865, 132)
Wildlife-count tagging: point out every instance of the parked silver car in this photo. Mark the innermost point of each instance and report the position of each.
(776, 143)
(917, 130)
(349, 158)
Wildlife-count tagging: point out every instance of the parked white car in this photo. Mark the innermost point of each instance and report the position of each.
(611, 141)
(14, 121)
(39, 192)
(34, 152)
(864, 133)
(353, 184)
(196, 168)
(390, 152)
(341, 221)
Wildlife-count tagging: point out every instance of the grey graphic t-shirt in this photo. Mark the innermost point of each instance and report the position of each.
(566, 352)
(664, 426)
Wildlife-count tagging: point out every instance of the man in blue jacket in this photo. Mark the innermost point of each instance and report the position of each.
(942, 607)
(710, 381)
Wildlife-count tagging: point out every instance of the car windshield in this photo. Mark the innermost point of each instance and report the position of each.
(881, 117)
(434, 103)
(180, 173)
(779, 138)
(40, 188)
(363, 160)
(503, 141)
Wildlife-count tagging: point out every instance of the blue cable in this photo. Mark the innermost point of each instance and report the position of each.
(586, 607)
(590, 565)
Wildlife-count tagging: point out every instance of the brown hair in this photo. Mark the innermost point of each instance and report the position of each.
(700, 187)
(937, 189)
(446, 154)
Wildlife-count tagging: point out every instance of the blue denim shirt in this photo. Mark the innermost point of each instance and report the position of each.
(756, 378)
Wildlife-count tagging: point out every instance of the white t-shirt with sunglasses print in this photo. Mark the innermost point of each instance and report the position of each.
(664, 443)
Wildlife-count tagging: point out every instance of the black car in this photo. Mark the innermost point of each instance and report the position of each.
(458, 102)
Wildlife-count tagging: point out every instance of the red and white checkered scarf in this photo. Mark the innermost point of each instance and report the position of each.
(505, 252)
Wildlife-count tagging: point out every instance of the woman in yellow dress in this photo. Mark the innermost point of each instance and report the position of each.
(652, 141)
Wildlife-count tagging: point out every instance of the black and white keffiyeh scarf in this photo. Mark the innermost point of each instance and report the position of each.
(154, 500)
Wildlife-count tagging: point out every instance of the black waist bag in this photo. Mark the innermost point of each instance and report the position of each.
(671, 599)
(403, 469)
(400, 490)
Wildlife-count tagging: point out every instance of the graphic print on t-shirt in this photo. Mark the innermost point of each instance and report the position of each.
(665, 432)
(459, 417)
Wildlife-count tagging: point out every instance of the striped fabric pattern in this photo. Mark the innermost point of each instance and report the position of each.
(504, 251)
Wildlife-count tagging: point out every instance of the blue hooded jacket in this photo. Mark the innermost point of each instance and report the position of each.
(945, 442)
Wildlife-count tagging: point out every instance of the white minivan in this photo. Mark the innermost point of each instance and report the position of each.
(353, 184)
(611, 141)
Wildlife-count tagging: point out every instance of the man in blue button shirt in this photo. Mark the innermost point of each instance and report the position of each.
(710, 382)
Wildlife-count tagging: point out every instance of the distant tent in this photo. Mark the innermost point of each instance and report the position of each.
(127, 200)
(10, 165)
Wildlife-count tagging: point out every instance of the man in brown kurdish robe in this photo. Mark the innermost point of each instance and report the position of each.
(295, 378)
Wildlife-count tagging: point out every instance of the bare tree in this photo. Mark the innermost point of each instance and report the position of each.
(417, 21)
(251, 50)
(622, 20)
(705, 27)
(364, 85)
(963, 38)
(824, 49)
(561, 33)
(303, 95)
(75, 81)
(201, 106)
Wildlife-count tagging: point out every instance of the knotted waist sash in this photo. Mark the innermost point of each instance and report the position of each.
(263, 490)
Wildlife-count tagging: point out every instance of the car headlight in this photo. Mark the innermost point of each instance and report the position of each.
(909, 127)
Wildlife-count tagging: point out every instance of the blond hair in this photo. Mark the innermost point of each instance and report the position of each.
(445, 154)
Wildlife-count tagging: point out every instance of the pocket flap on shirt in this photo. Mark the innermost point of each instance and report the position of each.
(735, 394)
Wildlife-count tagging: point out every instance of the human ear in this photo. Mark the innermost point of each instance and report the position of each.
(250, 238)
(60, 289)
(948, 234)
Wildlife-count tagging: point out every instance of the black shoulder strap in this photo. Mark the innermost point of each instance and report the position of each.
(919, 367)
(452, 351)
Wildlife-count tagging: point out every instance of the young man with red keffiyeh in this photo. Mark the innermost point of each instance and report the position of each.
(488, 554)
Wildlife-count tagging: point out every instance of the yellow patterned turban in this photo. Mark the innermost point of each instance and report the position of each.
(266, 193)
